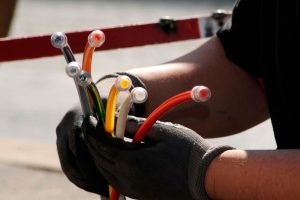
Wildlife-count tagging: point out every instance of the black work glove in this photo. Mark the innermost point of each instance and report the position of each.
(75, 159)
(170, 164)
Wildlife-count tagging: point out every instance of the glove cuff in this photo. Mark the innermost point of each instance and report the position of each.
(137, 110)
(199, 163)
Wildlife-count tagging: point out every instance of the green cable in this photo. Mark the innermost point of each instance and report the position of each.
(97, 101)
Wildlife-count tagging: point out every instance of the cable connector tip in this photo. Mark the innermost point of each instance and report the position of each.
(139, 95)
(96, 38)
(123, 83)
(73, 69)
(200, 93)
(59, 40)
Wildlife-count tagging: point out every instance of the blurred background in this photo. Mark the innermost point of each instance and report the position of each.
(37, 93)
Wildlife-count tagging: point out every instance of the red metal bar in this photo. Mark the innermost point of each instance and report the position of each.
(117, 37)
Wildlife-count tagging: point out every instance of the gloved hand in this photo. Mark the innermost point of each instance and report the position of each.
(170, 164)
(75, 160)
(74, 157)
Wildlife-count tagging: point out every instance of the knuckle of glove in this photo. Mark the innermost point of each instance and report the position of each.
(71, 121)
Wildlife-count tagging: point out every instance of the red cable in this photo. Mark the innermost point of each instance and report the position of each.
(158, 112)
(198, 94)
(114, 195)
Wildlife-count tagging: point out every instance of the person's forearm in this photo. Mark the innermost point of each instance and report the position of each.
(259, 174)
(237, 102)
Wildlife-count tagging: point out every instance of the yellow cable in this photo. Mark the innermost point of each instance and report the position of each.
(122, 83)
(110, 188)
(110, 110)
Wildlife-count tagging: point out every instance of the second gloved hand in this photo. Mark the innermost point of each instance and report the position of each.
(75, 159)
(170, 164)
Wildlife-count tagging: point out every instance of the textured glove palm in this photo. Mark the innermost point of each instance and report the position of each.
(170, 164)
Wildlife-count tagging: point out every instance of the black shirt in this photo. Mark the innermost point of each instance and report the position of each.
(263, 39)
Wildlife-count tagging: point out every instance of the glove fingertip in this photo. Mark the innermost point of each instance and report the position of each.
(89, 124)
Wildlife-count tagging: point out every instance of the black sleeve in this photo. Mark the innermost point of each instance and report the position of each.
(240, 36)
(263, 39)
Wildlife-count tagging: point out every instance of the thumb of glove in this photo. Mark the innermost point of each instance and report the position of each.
(132, 125)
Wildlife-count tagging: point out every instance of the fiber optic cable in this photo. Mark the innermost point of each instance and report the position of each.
(95, 39)
(197, 94)
(59, 40)
(122, 83)
(137, 95)
(97, 101)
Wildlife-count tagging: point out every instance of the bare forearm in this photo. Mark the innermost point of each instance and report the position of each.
(237, 101)
(238, 174)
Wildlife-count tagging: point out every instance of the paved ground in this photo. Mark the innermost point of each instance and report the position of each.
(30, 170)
(21, 183)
